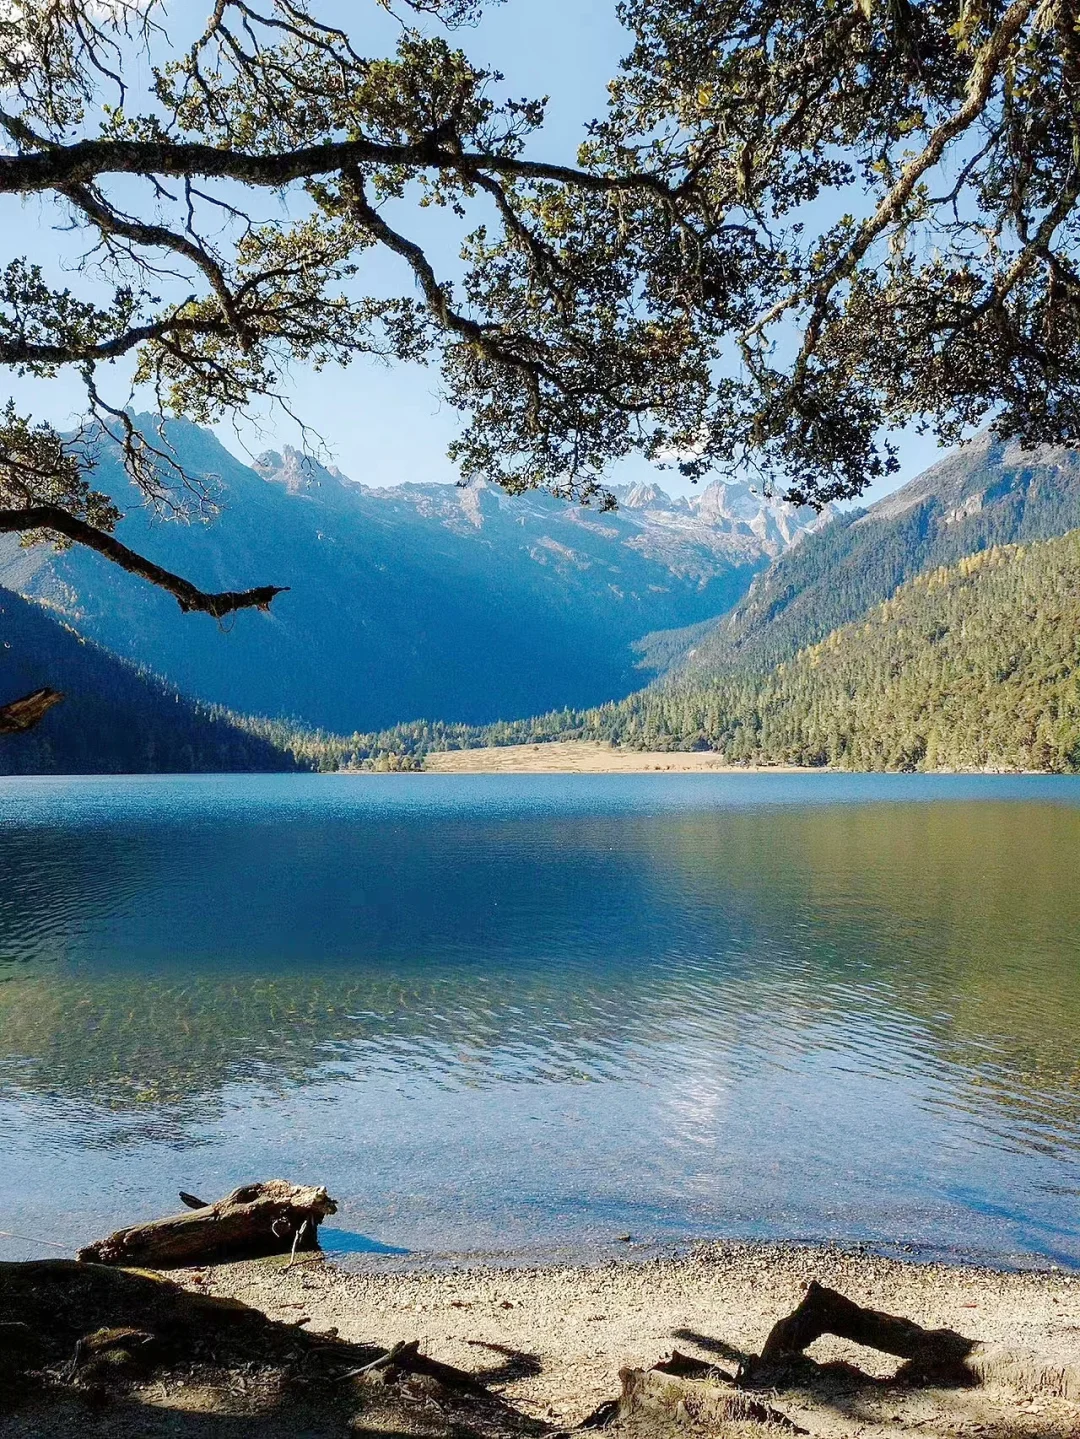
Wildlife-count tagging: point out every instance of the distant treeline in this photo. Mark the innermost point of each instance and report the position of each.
(974, 666)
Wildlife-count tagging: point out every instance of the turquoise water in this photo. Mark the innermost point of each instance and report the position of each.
(535, 1013)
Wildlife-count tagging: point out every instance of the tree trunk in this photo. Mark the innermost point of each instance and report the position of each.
(654, 1394)
(257, 1219)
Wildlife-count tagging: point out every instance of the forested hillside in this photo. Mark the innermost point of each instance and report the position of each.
(975, 666)
(986, 493)
(114, 718)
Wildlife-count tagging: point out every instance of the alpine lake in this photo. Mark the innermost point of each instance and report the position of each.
(527, 1016)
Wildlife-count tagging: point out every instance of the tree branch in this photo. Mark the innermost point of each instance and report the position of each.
(30, 352)
(486, 341)
(86, 160)
(21, 715)
(187, 595)
(110, 222)
(500, 346)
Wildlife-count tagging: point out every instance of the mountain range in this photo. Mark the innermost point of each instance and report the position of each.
(462, 604)
(421, 599)
(970, 666)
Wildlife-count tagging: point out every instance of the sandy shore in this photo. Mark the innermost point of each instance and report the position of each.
(553, 1340)
(303, 1350)
(586, 757)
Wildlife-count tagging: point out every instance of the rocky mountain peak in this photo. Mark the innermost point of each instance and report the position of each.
(642, 497)
(296, 471)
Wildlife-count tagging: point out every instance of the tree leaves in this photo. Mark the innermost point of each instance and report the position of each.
(794, 228)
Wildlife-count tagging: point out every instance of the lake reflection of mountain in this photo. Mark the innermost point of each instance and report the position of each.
(646, 997)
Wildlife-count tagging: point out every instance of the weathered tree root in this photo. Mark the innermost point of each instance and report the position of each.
(933, 1355)
(694, 1394)
(404, 1358)
(1024, 1370)
(110, 1351)
(273, 1217)
(825, 1311)
(700, 1403)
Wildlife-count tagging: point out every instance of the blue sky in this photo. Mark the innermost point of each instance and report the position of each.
(385, 424)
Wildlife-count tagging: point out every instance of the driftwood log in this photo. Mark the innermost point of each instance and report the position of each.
(273, 1217)
(18, 716)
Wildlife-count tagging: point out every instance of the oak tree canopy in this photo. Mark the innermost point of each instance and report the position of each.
(796, 226)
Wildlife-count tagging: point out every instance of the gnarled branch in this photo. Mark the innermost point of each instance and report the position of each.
(18, 716)
(825, 1311)
(80, 163)
(189, 597)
